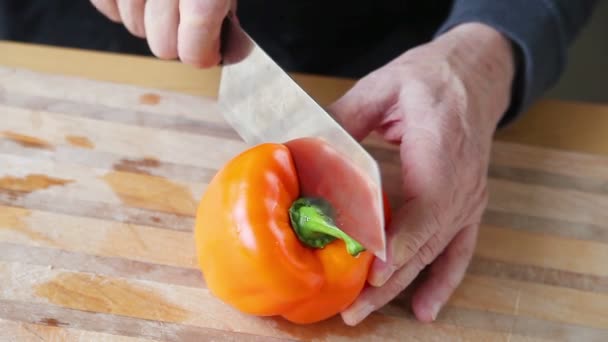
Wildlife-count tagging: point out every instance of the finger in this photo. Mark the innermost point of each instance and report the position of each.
(415, 237)
(398, 279)
(161, 18)
(361, 109)
(107, 8)
(445, 275)
(374, 298)
(199, 31)
(421, 227)
(132, 16)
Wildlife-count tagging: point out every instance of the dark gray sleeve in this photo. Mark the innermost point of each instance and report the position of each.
(541, 31)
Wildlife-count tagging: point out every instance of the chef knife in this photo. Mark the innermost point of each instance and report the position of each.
(264, 104)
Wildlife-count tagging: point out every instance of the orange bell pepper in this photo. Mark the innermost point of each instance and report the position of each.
(265, 251)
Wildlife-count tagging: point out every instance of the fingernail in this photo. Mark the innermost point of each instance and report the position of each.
(435, 307)
(357, 313)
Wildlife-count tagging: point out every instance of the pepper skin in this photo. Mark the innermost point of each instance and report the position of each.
(252, 258)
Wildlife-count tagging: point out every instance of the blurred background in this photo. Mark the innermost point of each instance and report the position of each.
(587, 71)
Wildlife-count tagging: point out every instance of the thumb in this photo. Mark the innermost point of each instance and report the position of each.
(362, 108)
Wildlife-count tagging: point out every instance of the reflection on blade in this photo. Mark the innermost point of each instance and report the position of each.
(263, 104)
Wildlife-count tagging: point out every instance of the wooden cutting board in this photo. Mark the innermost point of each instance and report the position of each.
(98, 187)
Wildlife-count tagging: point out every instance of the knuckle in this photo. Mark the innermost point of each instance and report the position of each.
(422, 245)
(403, 279)
(420, 261)
(425, 255)
(405, 252)
(399, 284)
(428, 252)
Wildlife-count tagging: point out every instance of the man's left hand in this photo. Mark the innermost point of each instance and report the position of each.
(441, 103)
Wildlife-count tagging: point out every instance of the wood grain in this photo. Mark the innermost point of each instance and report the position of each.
(103, 238)
(47, 331)
(549, 123)
(129, 140)
(543, 201)
(170, 303)
(550, 160)
(142, 71)
(89, 261)
(543, 250)
(523, 299)
(99, 185)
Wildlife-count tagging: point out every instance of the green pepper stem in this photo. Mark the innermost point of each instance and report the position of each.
(312, 222)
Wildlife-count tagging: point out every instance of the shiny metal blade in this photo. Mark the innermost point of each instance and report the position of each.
(264, 104)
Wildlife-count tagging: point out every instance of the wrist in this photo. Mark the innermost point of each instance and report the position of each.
(484, 60)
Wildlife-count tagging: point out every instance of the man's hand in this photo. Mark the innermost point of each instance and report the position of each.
(184, 29)
(441, 102)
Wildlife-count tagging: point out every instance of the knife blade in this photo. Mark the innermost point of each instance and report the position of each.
(263, 103)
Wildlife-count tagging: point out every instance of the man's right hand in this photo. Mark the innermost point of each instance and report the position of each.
(184, 29)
